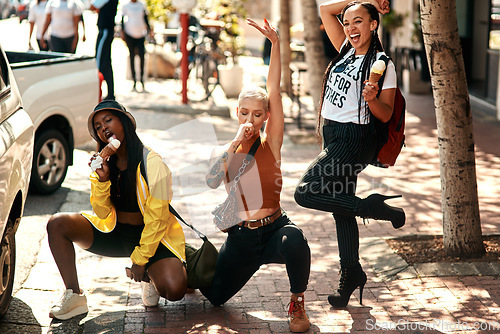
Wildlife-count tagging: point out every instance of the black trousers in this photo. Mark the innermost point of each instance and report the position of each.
(245, 250)
(103, 58)
(136, 47)
(58, 44)
(329, 183)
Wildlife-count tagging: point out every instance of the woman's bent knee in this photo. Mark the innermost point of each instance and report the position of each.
(57, 222)
(172, 293)
(70, 225)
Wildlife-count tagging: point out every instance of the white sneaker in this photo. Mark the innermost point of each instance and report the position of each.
(70, 305)
(150, 297)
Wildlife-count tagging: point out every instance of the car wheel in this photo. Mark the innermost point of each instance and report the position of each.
(50, 162)
(7, 267)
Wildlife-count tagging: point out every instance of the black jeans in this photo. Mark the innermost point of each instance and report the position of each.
(329, 183)
(245, 250)
(103, 58)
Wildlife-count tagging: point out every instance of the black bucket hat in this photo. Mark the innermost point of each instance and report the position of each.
(107, 105)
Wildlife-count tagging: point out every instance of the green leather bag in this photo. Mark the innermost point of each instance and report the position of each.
(201, 262)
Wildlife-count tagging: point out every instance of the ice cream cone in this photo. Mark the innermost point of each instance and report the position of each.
(109, 149)
(376, 71)
(374, 77)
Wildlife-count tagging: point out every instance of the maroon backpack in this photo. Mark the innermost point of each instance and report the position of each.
(390, 135)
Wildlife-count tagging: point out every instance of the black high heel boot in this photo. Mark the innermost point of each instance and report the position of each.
(374, 207)
(350, 279)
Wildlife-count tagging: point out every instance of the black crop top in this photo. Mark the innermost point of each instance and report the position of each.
(123, 195)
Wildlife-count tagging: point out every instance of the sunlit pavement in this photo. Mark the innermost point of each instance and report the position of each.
(436, 298)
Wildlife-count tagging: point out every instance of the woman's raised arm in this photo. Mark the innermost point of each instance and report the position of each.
(276, 121)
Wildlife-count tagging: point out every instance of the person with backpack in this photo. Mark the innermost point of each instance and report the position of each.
(131, 217)
(262, 232)
(349, 106)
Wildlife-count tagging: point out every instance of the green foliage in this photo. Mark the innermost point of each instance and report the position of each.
(229, 12)
(393, 20)
(160, 9)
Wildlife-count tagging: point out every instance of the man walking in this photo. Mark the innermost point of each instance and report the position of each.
(106, 26)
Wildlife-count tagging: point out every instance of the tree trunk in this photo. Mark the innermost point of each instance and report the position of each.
(461, 224)
(286, 53)
(315, 53)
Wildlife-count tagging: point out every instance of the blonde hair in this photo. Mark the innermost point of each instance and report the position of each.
(255, 92)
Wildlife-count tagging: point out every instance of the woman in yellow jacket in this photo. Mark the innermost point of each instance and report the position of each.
(131, 217)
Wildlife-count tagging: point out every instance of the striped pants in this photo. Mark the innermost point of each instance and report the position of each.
(329, 183)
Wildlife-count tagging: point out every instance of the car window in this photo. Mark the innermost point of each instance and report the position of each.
(4, 75)
(4, 87)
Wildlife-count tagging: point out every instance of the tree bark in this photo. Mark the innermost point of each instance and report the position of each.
(461, 223)
(286, 53)
(315, 54)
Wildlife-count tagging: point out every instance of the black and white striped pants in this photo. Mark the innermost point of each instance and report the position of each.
(329, 183)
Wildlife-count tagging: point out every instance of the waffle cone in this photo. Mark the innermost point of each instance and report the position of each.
(107, 151)
(374, 77)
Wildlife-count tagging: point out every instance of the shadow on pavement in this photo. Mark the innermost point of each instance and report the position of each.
(19, 319)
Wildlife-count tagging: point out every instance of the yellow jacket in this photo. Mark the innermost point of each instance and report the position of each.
(153, 197)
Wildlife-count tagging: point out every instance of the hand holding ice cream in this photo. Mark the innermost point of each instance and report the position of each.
(371, 85)
(106, 152)
(110, 149)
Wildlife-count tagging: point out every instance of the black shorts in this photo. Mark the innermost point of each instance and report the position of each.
(122, 241)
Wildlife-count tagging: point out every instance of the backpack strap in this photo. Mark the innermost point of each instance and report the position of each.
(382, 78)
(143, 167)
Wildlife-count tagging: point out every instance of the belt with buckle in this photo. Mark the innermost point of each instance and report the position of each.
(253, 224)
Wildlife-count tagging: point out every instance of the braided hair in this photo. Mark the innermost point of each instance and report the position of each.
(368, 60)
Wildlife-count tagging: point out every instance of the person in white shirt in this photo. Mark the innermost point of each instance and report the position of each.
(63, 16)
(351, 108)
(36, 18)
(135, 28)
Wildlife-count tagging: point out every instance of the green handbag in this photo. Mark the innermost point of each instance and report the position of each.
(200, 263)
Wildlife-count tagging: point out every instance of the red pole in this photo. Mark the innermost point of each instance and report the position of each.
(184, 18)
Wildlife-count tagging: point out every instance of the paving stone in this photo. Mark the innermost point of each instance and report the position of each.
(427, 269)
(496, 267)
(465, 269)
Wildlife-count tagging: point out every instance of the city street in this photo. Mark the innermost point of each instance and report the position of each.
(429, 298)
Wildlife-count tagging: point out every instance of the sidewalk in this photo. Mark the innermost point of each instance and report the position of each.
(431, 298)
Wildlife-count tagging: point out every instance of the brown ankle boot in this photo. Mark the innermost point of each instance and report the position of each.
(298, 318)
